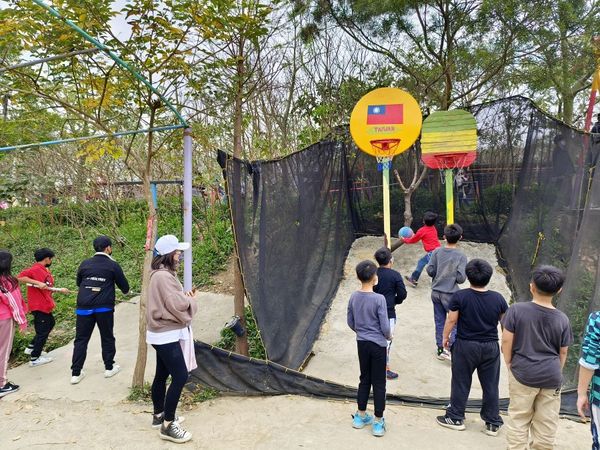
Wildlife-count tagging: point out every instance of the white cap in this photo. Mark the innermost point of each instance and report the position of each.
(169, 243)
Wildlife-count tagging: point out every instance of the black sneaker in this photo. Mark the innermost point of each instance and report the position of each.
(157, 420)
(174, 433)
(491, 430)
(8, 388)
(391, 375)
(447, 422)
(412, 282)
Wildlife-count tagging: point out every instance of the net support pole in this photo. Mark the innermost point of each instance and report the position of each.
(449, 197)
(187, 207)
(386, 201)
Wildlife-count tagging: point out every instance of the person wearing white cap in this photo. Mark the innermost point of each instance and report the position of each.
(169, 313)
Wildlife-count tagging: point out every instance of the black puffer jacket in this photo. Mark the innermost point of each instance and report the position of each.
(96, 279)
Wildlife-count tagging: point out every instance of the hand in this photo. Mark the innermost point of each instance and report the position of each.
(191, 293)
(385, 240)
(446, 343)
(64, 291)
(42, 286)
(583, 405)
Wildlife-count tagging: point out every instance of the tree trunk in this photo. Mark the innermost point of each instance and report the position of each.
(408, 217)
(241, 343)
(142, 354)
(568, 99)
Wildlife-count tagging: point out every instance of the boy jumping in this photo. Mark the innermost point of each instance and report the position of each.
(367, 317)
(477, 312)
(391, 286)
(40, 303)
(447, 268)
(428, 234)
(535, 341)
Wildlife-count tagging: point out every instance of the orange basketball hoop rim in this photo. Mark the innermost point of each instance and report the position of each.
(384, 150)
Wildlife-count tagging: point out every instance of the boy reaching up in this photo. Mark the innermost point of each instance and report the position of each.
(391, 286)
(428, 235)
(367, 317)
(535, 341)
(447, 268)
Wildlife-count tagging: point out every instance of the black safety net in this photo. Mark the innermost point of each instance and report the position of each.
(530, 193)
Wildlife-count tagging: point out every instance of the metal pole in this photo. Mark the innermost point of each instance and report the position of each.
(154, 194)
(50, 58)
(386, 201)
(87, 138)
(449, 197)
(187, 207)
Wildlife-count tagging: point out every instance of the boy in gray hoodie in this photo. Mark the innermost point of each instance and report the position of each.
(447, 268)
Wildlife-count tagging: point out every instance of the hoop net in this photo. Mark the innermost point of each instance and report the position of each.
(384, 152)
(449, 160)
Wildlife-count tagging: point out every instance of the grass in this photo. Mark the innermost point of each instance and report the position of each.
(191, 396)
(69, 229)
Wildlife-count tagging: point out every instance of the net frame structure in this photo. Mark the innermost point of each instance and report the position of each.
(181, 123)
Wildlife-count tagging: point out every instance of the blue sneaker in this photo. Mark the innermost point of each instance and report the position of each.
(359, 421)
(378, 427)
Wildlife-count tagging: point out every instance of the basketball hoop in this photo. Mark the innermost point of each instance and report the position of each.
(384, 150)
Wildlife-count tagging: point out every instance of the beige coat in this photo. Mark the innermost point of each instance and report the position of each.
(168, 308)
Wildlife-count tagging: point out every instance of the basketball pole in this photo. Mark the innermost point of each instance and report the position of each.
(386, 201)
(449, 197)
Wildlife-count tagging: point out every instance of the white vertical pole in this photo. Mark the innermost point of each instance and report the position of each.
(187, 207)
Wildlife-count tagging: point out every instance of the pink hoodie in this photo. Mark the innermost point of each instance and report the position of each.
(12, 306)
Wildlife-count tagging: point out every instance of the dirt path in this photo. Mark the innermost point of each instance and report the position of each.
(413, 350)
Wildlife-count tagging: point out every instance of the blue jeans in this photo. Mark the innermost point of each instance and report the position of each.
(420, 266)
(441, 302)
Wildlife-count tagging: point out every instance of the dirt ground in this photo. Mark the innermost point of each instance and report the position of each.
(48, 412)
(413, 349)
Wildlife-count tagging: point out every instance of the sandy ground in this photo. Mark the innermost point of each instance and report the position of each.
(48, 412)
(413, 349)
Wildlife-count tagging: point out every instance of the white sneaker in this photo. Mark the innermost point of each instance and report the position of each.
(40, 360)
(28, 350)
(111, 373)
(75, 379)
(445, 356)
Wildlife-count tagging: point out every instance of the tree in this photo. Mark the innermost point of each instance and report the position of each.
(93, 93)
(565, 60)
(235, 31)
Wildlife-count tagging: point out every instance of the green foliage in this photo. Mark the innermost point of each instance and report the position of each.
(140, 394)
(70, 228)
(256, 347)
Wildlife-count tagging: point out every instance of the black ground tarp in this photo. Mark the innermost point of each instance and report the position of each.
(236, 374)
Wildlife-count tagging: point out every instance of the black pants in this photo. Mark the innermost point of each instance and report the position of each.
(372, 361)
(83, 332)
(468, 356)
(43, 324)
(169, 361)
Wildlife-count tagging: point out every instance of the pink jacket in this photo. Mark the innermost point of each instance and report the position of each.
(12, 306)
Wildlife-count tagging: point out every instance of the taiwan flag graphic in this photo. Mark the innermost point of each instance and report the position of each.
(385, 114)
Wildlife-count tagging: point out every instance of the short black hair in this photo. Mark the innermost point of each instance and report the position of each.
(479, 272)
(101, 243)
(430, 218)
(42, 253)
(383, 256)
(366, 270)
(453, 233)
(547, 279)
